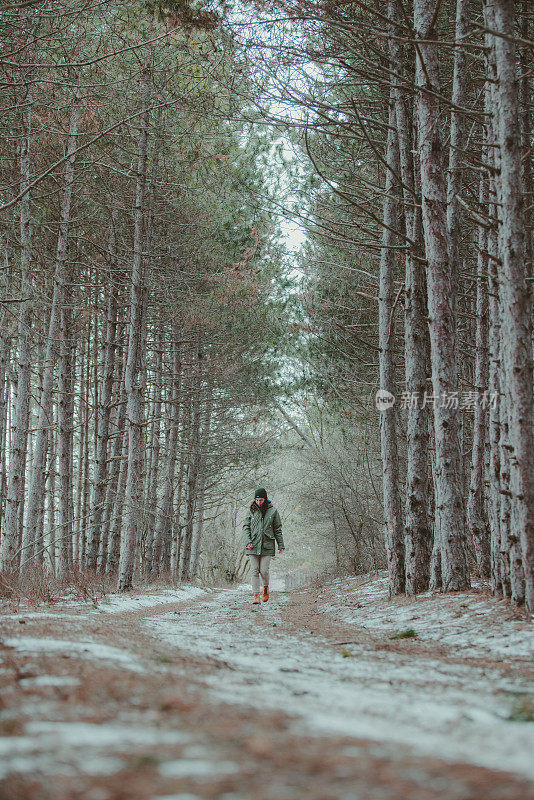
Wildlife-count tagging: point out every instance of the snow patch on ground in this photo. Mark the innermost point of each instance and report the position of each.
(70, 747)
(117, 603)
(49, 680)
(197, 768)
(463, 622)
(117, 737)
(50, 764)
(457, 712)
(31, 615)
(180, 796)
(83, 649)
(110, 604)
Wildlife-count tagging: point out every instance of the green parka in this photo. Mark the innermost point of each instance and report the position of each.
(263, 531)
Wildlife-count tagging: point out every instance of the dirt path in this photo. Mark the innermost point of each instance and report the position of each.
(207, 699)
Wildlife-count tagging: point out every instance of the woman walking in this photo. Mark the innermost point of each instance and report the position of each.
(262, 528)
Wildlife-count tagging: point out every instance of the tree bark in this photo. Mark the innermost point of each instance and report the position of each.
(457, 141)
(107, 548)
(418, 533)
(477, 525)
(441, 305)
(12, 533)
(494, 311)
(38, 467)
(163, 526)
(526, 64)
(65, 438)
(191, 490)
(115, 525)
(172, 549)
(51, 509)
(100, 474)
(5, 353)
(517, 330)
(394, 533)
(134, 409)
(151, 500)
(204, 450)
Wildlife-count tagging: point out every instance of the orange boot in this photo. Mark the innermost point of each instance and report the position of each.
(256, 599)
(265, 594)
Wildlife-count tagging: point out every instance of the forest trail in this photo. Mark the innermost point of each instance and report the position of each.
(146, 698)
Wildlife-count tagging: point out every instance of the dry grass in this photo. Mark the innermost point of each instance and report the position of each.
(37, 586)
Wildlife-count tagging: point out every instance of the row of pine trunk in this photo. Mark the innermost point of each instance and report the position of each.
(430, 540)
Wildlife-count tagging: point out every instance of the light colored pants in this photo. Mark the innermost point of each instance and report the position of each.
(260, 566)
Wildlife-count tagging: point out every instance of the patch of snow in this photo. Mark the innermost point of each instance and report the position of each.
(82, 649)
(109, 604)
(50, 680)
(42, 615)
(86, 734)
(71, 747)
(456, 712)
(117, 603)
(100, 765)
(202, 769)
(181, 796)
(464, 622)
(15, 745)
(45, 764)
(36, 708)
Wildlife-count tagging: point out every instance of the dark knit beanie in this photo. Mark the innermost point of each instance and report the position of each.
(260, 493)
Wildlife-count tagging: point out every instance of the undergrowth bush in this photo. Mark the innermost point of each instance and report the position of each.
(37, 585)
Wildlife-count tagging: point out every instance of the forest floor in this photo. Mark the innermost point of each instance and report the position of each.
(192, 694)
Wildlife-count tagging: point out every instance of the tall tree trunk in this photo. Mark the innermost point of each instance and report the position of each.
(82, 446)
(134, 410)
(526, 66)
(494, 459)
(85, 453)
(394, 532)
(517, 330)
(504, 496)
(477, 526)
(50, 562)
(191, 489)
(102, 435)
(65, 437)
(5, 352)
(418, 533)
(38, 467)
(163, 527)
(435, 557)
(151, 500)
(204, 450)
(117, 438)
(12, 533)
(441, 306)
(172, 548)
(115, 526)
(457, 141)
(197, 535)
(494, 313)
